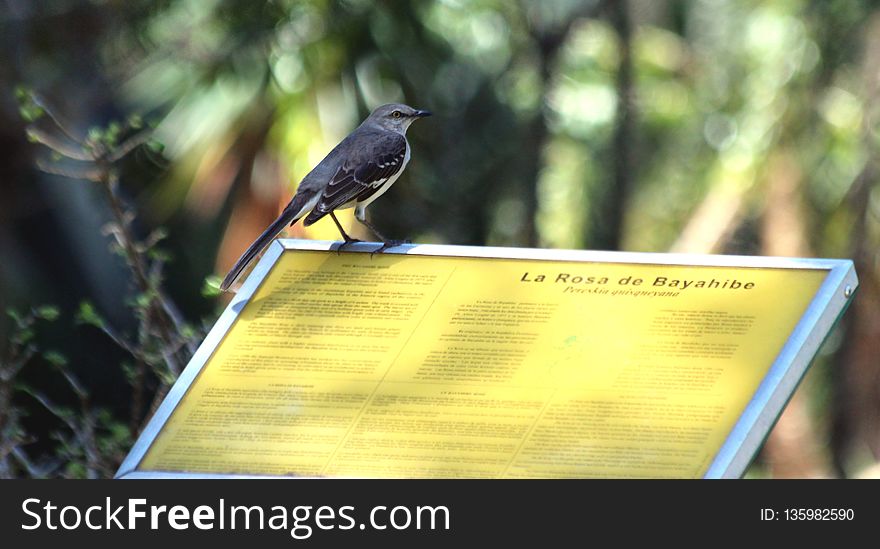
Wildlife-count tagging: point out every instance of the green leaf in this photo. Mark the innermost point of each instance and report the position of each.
(47, 312)
(31, 113)
(23, 336)
(130, 372)
(64, 412)
(55, 358)
(135, 122)
(14, 315)
(143, 300)
(88, 315)
(157, 254)
(166, 377)
(120, 434)
(211, 286)
(22, 93)
(111, 136)
(104, 416)
(75, 470)
(155, 146)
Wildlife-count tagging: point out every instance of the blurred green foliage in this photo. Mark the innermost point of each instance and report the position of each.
(743, 127)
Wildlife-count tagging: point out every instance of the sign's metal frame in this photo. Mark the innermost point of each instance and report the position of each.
(744, 440)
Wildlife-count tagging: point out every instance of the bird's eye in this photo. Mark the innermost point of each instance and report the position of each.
(396, 114)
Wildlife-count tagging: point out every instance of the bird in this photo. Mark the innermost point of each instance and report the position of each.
(360, 169)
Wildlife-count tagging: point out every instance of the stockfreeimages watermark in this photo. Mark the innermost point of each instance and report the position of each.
(300, 521)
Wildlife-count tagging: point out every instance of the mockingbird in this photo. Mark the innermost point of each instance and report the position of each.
(355, 173)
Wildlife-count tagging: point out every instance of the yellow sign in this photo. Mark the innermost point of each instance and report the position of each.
(420, 366)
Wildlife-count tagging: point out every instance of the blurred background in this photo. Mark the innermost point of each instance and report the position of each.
(706, 126)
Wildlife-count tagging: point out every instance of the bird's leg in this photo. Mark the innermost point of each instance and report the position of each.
(361, 215)
(390, 244)
(348, 239)
(342, 231)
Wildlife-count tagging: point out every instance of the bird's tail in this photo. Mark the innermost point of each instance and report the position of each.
(290, 215)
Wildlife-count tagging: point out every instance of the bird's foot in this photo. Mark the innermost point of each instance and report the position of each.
(390, 244)
(347, 243)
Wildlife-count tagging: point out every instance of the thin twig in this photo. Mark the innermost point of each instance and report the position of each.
(55, 119)
(164, 323)
(52, 408)
(55, 144)
(129, 145)
(89, 174)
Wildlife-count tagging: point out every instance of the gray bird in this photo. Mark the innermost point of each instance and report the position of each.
(354, 174)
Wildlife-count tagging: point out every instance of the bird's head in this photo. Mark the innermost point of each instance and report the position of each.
(395, 117)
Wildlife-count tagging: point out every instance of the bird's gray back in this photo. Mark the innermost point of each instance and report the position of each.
(317, 179)
(369, 141)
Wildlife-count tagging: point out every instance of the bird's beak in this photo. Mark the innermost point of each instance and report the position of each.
(422, 114)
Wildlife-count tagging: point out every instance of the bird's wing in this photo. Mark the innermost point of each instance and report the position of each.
(362, 173)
